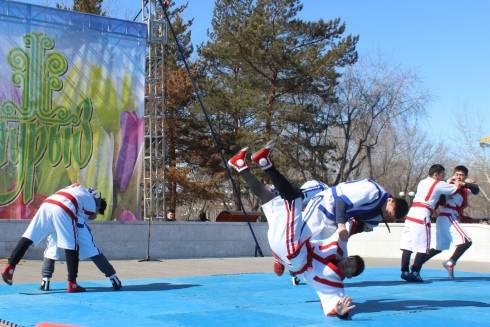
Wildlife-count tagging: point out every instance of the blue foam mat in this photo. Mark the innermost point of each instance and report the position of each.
(382, 299)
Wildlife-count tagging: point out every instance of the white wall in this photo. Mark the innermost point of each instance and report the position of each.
(211, 239)
(381, 244)
(167, 239)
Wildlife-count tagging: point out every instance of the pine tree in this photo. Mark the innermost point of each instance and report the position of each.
(192, 174)
(85, 6)
(271, 73)
(89, 6)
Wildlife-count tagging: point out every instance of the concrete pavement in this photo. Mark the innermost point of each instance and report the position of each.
(29, 271)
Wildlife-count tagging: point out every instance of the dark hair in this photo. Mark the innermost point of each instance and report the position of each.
(171, 210)
(436, 169)
(102, 206)
(359, 265)
(401, 208)
(462, 169)
(202, 216)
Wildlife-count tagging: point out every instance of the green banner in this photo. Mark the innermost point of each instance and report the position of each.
(71, 108)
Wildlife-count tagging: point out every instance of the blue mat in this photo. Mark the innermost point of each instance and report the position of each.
(254, 300)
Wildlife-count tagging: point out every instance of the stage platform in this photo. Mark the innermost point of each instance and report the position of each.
(247, 299)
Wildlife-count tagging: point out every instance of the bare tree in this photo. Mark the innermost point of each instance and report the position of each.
(370, 99)
(405, 155)
(476, 158)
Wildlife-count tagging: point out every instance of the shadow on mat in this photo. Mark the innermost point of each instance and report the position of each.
(426, 281)
(128, 288)
(413, 305)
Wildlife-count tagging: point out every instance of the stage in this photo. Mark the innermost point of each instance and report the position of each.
(248, 299)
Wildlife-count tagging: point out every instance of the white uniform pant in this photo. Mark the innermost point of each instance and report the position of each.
(448, 230)
(416, 236)
(52, 220)
(288, 233)
(86, 244)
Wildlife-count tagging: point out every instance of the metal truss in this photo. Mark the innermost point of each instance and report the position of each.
(154, 179)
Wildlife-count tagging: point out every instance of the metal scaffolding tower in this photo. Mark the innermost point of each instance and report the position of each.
(154, 179)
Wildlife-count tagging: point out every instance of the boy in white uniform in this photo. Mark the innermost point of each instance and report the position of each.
(87, 250)
(416, 233)
(293, 240)
(364, 199)
(288, 234)
(448, 228)
(329, 265)
(57, 216)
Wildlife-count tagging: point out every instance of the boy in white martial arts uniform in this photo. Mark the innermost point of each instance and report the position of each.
(87, 250)
(289, 236)
(448, 228)
(416, 233)
(57, 216)
(329, 265)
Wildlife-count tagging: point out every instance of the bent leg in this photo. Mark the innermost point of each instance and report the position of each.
(103, 265)
(19, 251)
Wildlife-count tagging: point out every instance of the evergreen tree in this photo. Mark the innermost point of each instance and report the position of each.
(192, 174)
(86, 6)
(271, 73)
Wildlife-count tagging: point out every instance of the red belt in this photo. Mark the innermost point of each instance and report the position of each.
(62, 206)
(415, 220)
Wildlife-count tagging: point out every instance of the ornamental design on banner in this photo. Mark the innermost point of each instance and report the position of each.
(35, 127)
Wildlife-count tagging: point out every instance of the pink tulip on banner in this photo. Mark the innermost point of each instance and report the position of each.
(132, 129)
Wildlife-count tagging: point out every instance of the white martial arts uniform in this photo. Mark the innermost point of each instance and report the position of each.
(288, 234)
(322, 272)
(86, 243)
(364, 200)
(57, 216)
(448, 228)
(416, 234)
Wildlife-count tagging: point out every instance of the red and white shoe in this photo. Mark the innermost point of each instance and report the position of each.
(278, 268)
(262, 158)
(73, 287)
(8, 273)
(238, 161)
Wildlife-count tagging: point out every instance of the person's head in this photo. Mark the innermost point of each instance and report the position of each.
(170, 214)
(395, 208)
(101, 205)
(100, 202)
(352, 266)
(460, 173)
(437, 171)
(202, 216)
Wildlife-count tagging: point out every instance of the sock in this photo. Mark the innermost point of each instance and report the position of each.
(19, 251)
(257, 187)
(406, 260)
(460, 249)
(48, 267)
(418, 261)
(72, 264)
(432, 253)
(284, 187)
(104, 265)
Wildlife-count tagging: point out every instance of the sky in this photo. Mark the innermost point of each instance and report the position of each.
(446, 43)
